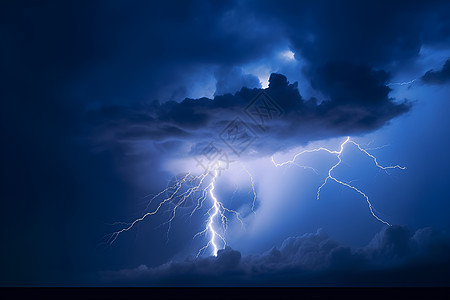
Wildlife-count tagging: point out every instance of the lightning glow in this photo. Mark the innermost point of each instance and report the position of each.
(253, 188)
(331, 177)
(215, 208)
(288, 55)
(203, 190)
(402, 83)
(217, 221)
(178, 185)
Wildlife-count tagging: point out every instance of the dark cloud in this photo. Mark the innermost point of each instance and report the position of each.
(394, 257)
(438, 77)
(349, 83)
(116, 53)
(357, 102)
(232, 80)
(335, 38)
(327, 31)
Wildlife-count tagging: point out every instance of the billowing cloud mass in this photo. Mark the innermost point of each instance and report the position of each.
(438, 77)
(343, 62)
(357, 102)
(85, 83)
(394, 257)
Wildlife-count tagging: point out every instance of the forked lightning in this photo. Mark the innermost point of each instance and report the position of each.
(331, 177)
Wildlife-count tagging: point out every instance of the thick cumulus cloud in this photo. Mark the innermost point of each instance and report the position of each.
(438, 77)
(115, 56)
(369, 32)
(357, 102)
(346, 51)
(232, 80)
(377, 34)
(394, 257)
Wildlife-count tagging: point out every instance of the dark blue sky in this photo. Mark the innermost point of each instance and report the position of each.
(104, 102)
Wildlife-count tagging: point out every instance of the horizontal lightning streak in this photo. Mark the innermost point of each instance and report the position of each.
(402, 83)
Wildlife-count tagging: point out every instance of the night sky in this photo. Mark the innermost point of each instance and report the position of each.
(104, 104)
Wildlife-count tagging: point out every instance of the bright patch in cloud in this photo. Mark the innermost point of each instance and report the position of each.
(288, 55)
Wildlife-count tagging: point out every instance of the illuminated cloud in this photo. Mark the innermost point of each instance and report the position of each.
(288, 55)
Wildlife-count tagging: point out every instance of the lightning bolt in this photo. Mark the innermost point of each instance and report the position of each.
(402, 83)
(217, 212)
(331, 177)
(215, 208)
(253, 188)
(217, 221)
(178, 185)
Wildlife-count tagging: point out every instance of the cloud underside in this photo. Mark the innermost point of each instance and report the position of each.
(356, 101)
(394, 257)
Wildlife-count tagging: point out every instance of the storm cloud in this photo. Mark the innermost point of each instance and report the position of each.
(394, 257)
(357, 102)
(83, 82)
